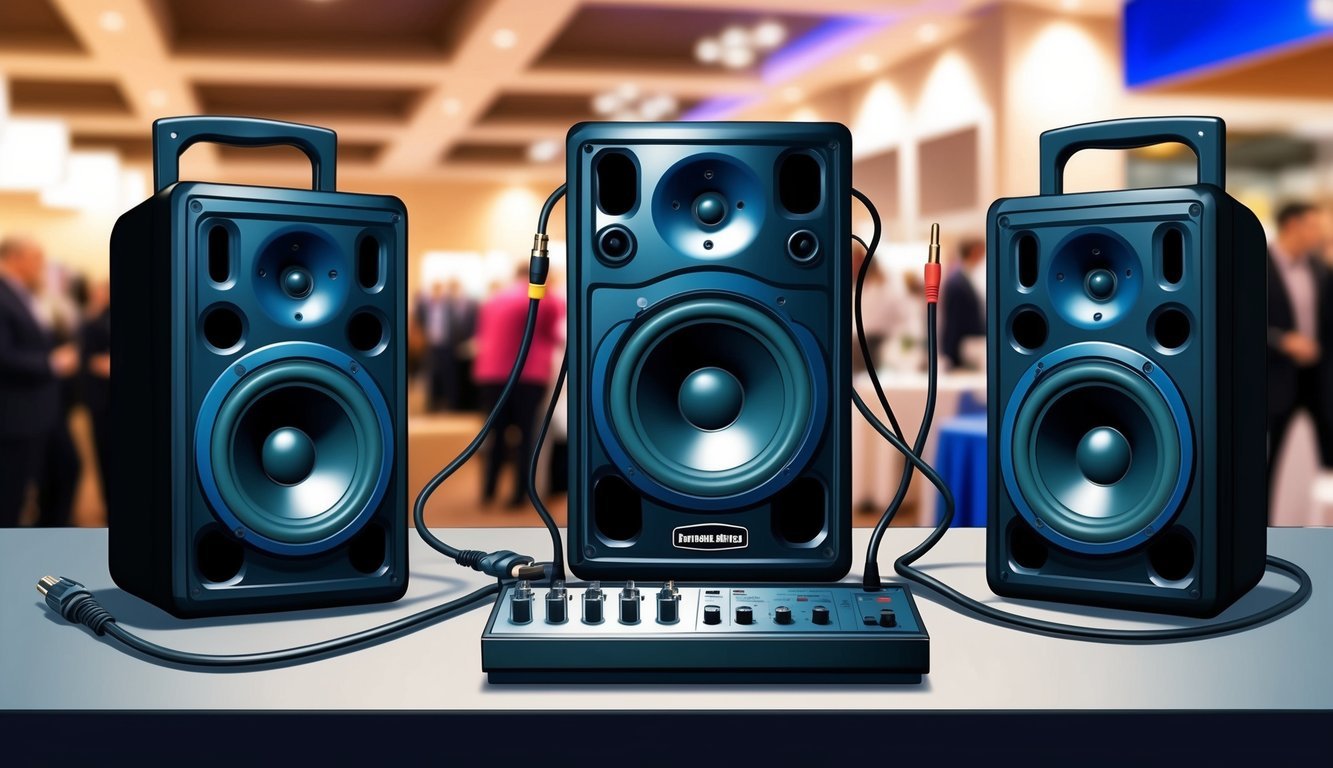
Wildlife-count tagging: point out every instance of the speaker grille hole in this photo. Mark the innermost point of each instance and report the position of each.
(1027, 260)
(1029, 329)
(617, 183)
(1026, 548)
(617, 509)
(800, 187)
(219, 253)
(1171, 556)
(223, 328)
(218, 557)
(799, 511)
(1173, 256)
(368, 262)
(1171, 328)
(365, 332)
(368, 548)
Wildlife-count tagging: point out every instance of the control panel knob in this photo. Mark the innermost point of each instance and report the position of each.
(593, 601)
(520, 605)
(744, 615)
(887, 618)
(782, 615)
(557, 610)
(629, 604)
(712, 614)
(668, 604)
(819, 615)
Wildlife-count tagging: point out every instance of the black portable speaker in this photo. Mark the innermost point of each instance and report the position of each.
(258, 386)
(1126, 382)
(709, 282)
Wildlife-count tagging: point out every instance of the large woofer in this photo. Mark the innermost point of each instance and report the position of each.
(1096, 448)
(294, 448)
(712, 397)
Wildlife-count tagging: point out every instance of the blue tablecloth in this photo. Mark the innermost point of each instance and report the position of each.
(961, 461)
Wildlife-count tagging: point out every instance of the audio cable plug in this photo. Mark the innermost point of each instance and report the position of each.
(502, 564)
(933, 266)
(539, 266)
(74, 603)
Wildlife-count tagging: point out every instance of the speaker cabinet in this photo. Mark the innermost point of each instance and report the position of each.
(1126, 382)
(258, 395)
(709, 282)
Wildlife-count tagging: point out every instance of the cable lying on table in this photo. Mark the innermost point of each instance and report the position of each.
(904, 564)
(73, 602)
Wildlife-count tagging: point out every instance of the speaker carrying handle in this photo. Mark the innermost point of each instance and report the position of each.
(173, 135)
(1205, 135)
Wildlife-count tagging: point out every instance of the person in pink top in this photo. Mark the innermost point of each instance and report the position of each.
(499, 332)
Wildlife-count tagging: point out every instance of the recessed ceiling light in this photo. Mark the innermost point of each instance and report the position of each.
(928, 33)
(543, 151)
(504, 38)
(1322, 11)
(734, 37)
(792, 94)
(868, 62)
(451, 105)
(157, 97)
(112, 21)
(708, 50)
(1071, 5)
(769, 34)
(737, 58)
(606, 103)
(658, 106)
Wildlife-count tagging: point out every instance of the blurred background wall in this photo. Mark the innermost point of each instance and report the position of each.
(460, 107)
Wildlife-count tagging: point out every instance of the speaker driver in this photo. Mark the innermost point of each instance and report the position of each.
(1096, 448)
(712, 397)
(294, 448)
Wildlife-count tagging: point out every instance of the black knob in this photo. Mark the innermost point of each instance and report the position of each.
(557, 610)
(712, 614)
(629, 604)
(744, 615)
(593, 601)
(887, 618)
(668, 604)
(782, 615)
(520, 606)
(819, 615)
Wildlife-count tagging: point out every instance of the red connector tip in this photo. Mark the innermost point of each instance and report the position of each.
(933, 266)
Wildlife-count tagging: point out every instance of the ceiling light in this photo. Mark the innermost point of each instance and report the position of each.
(111, 21)
(606, 103)
(658, 107)
(868, 62)
(708, 50)
(157, 98)
(627, 91)
(628, 102)
(32, 153)
(769, 34)
(451, 105)
(928, 33)
(1071, 5)
(734, 37)
(544, 151)
(1322, 11)
(504, 39)
(737, 58)
(792, 94)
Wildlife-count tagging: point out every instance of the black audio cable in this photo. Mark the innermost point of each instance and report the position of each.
(502, 564)
(558, 552)
(904, 565)
(870, 576)
(73, 602)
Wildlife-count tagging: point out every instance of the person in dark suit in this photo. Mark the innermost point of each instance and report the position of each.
(448, 319)
(963, 302)
(1300, 331)
(32, 367)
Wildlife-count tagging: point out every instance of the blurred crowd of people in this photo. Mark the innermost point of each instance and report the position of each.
(464, 350)
(55, 342)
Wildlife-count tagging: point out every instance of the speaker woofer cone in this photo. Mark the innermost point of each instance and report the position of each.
(294, 448)
(1096, 448)
(711, 397)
